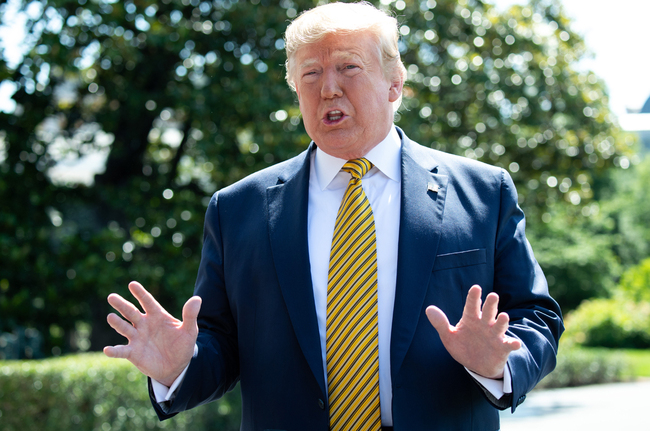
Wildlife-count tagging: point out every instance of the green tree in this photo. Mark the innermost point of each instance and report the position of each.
(183, 97)
(626, 210)
(178, 96)
(577, 256)
(635, 282)
(504, 88)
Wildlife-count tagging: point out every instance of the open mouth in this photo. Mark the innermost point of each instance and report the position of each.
(333, 116)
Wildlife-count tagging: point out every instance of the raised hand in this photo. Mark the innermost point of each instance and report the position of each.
(479, 341)
(159, 345)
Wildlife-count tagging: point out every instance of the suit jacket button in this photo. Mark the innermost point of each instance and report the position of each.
(521, 400)
(321, 404)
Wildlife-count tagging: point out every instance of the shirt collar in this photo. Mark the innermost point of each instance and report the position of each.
(385, 156)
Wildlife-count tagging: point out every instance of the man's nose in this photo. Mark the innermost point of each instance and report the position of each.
(331, 87)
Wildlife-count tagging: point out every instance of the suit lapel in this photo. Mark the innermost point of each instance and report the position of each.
(421, 213)
(287, 217)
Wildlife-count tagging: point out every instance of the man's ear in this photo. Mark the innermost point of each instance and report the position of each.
(396, 86)
(297, 92)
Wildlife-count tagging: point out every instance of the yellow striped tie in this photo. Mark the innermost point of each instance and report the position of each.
(352, 337)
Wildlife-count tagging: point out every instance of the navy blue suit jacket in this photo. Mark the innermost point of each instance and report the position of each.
(258, 319)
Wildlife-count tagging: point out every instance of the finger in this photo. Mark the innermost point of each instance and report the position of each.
(121, 327)
(490, 308)
(146, 300)
(512, 343)
(439, 320)
(191, 311)
(126, 309)
(473, 303)
(501, 324)
(122, 352)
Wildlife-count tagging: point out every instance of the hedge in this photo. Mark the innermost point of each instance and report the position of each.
(609, 322)
(578, 366)
(92, 392)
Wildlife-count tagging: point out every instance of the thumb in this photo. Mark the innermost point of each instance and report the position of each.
(191, 311)
(438, 319)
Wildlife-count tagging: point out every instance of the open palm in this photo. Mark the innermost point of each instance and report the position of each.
(479, 341)
(159, 345)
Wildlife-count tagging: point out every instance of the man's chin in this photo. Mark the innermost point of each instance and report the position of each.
(346, 148)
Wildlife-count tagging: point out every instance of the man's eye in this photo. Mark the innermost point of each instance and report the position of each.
(351, 66)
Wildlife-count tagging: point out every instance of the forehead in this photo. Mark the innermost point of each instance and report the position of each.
(334, 47)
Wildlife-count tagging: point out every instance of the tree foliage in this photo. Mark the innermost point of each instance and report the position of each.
(503, 88)
(626, 212)
(182, 97)
(178, 94)
(577, 257)
(635, 282)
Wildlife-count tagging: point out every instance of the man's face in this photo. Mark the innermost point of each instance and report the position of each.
(345, 99)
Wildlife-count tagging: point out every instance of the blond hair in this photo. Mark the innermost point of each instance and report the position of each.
(345, 18)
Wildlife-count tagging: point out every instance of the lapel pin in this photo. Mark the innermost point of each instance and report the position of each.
(432, 187)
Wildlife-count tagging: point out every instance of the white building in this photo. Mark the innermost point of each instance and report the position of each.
(639, 122)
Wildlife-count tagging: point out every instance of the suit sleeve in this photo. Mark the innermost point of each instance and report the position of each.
(214, 369)
(535, 318)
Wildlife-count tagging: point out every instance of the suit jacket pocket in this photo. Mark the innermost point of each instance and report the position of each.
(460, 259)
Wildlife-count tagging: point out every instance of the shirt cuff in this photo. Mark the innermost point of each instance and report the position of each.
(163, 393)
(497, 387)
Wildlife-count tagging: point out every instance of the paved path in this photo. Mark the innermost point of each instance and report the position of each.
(617, 406)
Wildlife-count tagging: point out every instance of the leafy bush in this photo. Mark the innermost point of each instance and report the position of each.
(578, 263)
(92, 392)
(576, 253)
(578, 366)
(635, 282)
(616, 323)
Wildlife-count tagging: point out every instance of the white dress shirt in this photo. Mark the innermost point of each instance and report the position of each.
(382, 186)
(327, 184)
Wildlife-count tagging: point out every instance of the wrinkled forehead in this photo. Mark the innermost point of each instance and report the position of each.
(311, 59)
(357, 46)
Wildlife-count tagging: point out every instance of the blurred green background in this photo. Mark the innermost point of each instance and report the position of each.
(130, 114)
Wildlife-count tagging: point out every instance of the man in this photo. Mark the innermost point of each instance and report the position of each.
(438, 238)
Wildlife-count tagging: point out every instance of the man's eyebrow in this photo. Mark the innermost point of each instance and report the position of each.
(308, 63)
(336, 55)
(345, 55)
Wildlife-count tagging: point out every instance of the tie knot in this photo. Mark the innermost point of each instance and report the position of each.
(357, 167)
